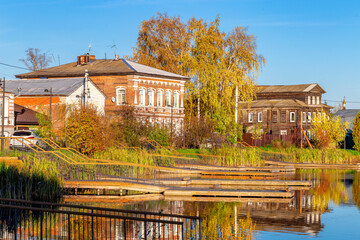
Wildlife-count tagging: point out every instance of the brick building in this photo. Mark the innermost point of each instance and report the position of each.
(283, 109)
(155, 94)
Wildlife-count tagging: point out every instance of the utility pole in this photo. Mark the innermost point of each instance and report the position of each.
(47, 90)
(3, 115)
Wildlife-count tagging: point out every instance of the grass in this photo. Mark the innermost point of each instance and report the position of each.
(327, 156)
(37, 180)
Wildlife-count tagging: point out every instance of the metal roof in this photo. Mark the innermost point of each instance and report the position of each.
(289, 88)
(102, 67)
(36, 87)
(347, 115)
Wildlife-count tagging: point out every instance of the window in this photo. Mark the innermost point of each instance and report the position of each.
(283, 132)
(176, 99)
(274, 117)
(309, 117)
(142, 97)
(120, 97)
(260, 117)
(313, 100)
(6, 108)
(292, 116)
(159, 98)
(151, 97)
(308, 134)
(318, 100)
(309, 100)
(304, 116)
(283, 117)
(251, 117)
(168, 99)
(313, 115)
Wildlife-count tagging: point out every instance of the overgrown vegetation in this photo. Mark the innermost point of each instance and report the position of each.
(327, 156)
(37, 180)
(327, 131)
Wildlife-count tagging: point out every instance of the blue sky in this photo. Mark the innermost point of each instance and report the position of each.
(303, 41)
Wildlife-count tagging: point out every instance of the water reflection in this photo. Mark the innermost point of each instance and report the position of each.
(301, 215)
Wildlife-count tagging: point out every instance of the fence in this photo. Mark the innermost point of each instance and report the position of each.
(268, 138)
(20, 219)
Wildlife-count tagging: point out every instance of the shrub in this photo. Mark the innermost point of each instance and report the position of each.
(86, 130)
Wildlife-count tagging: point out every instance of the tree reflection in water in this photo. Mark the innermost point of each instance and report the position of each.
(328, 185)
(356, 189)
(221, 221)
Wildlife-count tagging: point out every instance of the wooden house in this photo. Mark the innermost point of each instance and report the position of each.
(282, 110)
(155, 94)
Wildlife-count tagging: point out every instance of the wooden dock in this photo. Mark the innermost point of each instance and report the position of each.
(272, 169)
(201, 188)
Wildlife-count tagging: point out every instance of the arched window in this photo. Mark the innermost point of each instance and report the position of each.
(176, 99)
(168, 99)
(159, 98)
(120, 96)
(151, 97)
(142, 97)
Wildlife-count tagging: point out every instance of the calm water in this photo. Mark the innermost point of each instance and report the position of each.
(330, 210)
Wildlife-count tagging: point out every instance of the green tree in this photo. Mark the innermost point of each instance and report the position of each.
(356, 132)
(328, 131)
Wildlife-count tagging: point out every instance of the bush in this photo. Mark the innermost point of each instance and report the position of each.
(86, 130)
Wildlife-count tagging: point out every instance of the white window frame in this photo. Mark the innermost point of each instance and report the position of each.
(283, 132)
(292, 120)
(119, 96)
(151, 97)
(251, 117)
(313, 100)
(304, 117)
(176, 99)
(318, 100)
(309, 100)
(159, 98)
(260, 115)
(167, 99)
(313, 115)
(309, 116)
(142, 97)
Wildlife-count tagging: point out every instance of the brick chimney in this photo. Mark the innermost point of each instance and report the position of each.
(85, 59)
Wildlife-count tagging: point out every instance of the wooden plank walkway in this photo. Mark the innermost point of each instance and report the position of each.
(227, 199)
(273, 169)
(172, 190)
(355, 166)
(241, 184)
(227, 193)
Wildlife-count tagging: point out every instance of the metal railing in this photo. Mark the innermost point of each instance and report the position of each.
(20, 219)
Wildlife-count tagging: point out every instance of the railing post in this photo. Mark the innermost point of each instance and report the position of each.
(69, 227)
(199, 228)
(41, 225)
(92, 224)
(145, 235)
(124, 229)
(15, 224)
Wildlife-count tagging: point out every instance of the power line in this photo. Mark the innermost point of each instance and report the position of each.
(339, 101)
(13, 66)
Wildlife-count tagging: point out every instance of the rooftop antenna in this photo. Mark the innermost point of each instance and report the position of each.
(90, 46)
(114, 47)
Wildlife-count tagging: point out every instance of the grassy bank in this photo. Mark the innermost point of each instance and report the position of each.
(37, 180)
(327, 156)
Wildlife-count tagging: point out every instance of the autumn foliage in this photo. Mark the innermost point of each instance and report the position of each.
(218, 63)
(86, 130)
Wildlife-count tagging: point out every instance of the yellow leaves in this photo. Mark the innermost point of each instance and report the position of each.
(328, 131)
